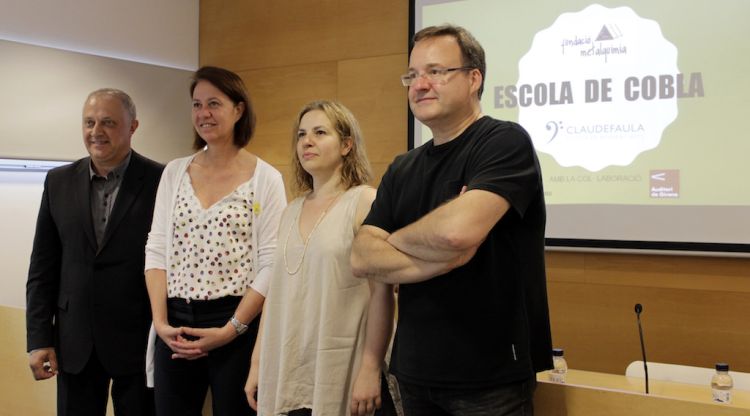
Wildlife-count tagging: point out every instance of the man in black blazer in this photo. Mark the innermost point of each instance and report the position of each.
(88, 316)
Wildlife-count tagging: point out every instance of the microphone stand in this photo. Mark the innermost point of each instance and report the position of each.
(638, 309)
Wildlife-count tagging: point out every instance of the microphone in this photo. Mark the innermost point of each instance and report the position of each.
(638, 310)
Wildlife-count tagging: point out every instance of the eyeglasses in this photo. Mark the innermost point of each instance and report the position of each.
(434, 75)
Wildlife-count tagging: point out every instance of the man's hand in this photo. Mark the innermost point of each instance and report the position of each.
(43, 363)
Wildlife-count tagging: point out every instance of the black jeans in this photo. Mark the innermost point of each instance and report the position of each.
(180, 386)
(514, 399)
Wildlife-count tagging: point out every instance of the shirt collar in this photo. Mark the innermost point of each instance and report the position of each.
(116, 172)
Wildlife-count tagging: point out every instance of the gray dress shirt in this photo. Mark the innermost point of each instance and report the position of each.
(103, 196)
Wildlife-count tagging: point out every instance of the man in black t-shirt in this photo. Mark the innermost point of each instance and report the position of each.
(459, 224)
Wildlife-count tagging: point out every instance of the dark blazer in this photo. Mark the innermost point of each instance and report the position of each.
(80, 298)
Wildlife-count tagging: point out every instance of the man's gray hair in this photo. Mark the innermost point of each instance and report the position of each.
(127, 102)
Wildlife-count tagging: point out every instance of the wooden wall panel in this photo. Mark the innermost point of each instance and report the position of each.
(278, 94)
(371, 88)
(704, 273)
(261, 34)
(372, 28)
(286, 172)
(250, 34)
(378, 169)
(695, 309)
(290, 52)
(20, 394)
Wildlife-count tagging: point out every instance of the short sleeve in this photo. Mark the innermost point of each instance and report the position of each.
(504, 162)
(381, 212)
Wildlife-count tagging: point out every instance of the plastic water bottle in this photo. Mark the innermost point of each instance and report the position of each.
(721, 384)
(560, 369)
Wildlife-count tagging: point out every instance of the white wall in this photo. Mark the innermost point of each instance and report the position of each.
(45, 90)
(160, 32)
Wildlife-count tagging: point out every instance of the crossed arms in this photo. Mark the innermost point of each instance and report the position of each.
(440, 241)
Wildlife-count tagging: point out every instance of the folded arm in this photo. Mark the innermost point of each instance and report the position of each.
(454, 230)
(373, 257)
(440, 241)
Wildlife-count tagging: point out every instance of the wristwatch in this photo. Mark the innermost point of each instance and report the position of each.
(238, 326)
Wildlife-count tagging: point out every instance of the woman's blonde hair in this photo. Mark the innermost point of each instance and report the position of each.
(356, 168)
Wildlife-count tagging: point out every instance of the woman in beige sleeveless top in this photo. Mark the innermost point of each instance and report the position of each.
(323, 333)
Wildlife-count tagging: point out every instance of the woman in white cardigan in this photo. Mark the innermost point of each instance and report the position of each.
(209, 254)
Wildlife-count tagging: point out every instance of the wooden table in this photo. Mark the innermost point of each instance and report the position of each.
(587, 393)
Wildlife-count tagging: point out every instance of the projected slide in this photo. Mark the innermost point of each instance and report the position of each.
(639, 110)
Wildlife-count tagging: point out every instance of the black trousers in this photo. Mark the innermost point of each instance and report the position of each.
(181, 385)
(513, 399)
(86, 393)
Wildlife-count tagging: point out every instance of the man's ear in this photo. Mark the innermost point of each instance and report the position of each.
(476, 80)
(133, 126)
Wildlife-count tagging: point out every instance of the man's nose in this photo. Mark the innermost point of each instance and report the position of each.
(421, 82)
(96, 129)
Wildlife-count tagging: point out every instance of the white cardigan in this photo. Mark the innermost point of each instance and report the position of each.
(267, 209)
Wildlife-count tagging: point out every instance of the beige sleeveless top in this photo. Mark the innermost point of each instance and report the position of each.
(314, 323)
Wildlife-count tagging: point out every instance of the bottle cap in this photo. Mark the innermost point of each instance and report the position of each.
(557, 352)
(722, 367)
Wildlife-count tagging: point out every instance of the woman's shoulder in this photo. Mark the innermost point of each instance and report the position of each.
(263, 168)
(262, 164)
(175, 164)
(363, 196)
(292, 208)
(362, 199)
(364, 192)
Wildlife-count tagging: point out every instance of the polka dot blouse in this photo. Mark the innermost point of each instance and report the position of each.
(212, 248)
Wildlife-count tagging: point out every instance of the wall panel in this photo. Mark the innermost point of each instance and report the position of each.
(291, 52)
(251, 35)
(694, 309)
(20, 394)
(371, 88)
(278, 94)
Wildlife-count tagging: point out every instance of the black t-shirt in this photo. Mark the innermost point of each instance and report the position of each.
(487, 322)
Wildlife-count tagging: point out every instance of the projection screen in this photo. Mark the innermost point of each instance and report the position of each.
(638, 111)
